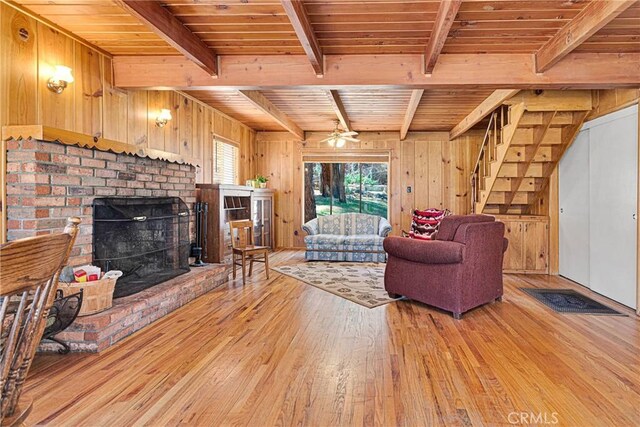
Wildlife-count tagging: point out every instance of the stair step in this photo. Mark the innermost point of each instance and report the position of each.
(535, 170)
(497, 210)
(518, 154)
(500, 198)
(527, 184)
(531, 119)
(524, 136)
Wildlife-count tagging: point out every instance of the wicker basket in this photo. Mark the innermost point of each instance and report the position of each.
(97, 295)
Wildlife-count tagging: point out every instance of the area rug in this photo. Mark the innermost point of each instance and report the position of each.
(570, 301)
(362, 283)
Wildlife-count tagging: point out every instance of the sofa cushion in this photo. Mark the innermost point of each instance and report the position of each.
(348, 224)
(322, 241)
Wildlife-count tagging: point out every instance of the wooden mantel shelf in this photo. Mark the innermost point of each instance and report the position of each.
(44, 133)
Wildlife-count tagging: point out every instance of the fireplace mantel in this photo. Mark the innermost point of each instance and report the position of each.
(49, 134)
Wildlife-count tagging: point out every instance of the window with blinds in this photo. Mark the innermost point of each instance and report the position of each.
(226, 163)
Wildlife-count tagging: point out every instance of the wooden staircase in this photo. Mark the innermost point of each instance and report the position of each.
(525, 139)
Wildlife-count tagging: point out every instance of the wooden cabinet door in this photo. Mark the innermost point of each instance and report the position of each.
(536, 249)
(513, 259)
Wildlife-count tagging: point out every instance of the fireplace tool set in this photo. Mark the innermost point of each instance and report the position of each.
(64, 311)
(199, 247)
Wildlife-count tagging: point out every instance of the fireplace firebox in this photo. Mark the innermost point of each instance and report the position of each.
(147, 238)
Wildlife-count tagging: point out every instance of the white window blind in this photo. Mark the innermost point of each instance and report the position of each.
(226, 163)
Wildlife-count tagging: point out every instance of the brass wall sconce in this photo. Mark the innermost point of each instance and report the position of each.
(163, 117)
(60, 79)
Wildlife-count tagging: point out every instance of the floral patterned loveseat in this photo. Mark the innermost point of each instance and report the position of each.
(346, 237)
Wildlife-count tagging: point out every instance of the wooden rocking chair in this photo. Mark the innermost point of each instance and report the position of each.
(243, 247)
(28, 281)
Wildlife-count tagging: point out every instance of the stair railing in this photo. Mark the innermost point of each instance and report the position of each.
(492, 138)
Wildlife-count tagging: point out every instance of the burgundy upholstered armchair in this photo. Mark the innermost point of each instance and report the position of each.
(461, 269)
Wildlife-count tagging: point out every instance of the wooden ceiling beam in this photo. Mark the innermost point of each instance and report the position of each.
(590, 20)
(262, 103)
(171, 30)
(338, 108)
(444, 19)
(302, 26)
(492, 102)
(414, 101)
(478, 71)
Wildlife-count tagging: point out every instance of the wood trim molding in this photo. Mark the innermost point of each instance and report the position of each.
(262, 103)
(170, 29)
(414, 102)
(302, 26)
(638, 226)
(516, 71)
(338, 108)
(444, 20)
(592, 18)
(485, 108)
(44, 133)
(333, 156)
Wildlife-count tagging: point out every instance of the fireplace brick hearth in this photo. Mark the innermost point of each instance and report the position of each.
(48, 182)
(99, 331)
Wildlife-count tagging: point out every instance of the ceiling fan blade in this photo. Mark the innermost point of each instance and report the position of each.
(327, 139)
(348, 138)
(352, 133)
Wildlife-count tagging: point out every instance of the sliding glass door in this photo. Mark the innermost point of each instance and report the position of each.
(334, 188)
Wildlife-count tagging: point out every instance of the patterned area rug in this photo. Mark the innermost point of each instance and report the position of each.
(570, 301)
(362, 283)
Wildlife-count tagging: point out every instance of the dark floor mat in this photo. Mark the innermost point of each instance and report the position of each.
(570, 301)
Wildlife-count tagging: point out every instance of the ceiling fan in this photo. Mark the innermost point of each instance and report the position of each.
(338, 138)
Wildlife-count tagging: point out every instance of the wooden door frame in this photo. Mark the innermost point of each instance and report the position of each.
(638, 226)
(349, 156)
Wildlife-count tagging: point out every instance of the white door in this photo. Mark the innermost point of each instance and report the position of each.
(574, 210)
(613, 189)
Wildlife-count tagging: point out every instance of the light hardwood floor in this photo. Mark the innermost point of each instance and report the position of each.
(280, 352)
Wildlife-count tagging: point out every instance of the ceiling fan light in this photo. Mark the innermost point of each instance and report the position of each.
(332, 142)
(341, 142)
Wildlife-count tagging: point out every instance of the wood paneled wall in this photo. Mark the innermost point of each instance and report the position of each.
(436, 169)
(610, 100)
(29, 49)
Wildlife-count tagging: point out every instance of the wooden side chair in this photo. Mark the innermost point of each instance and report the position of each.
(28, 281)
(243, 248)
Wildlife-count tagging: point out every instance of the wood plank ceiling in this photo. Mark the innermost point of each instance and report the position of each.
(344, 27)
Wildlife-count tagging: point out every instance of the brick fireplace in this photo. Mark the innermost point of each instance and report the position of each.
(47, 182)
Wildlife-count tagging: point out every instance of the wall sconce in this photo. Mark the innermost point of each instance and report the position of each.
(163, 117)
(60, 79)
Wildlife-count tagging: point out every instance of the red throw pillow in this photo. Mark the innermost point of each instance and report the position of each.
(425, 223)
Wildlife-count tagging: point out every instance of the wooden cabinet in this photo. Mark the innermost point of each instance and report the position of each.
(226, 203)
(262, 216)
(528, 250)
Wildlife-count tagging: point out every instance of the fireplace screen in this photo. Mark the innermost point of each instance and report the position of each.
(146, 238)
